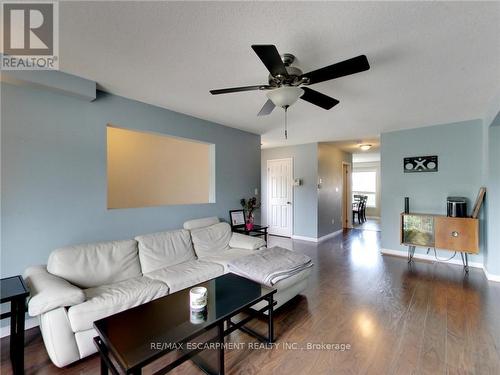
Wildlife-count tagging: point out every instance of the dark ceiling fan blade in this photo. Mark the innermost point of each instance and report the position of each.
(267, 108)
(238, 89)
(341, 69)
(317, 98)
(271, 59)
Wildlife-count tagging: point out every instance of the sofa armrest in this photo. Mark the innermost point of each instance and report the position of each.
(48, 292)
(241, 241)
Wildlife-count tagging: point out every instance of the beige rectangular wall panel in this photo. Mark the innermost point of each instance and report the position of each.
(149, 169)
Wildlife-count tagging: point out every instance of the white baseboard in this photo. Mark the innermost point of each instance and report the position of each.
(314, 239)
(28, 324)
(303, 238)
(330, 235)
(490, 276)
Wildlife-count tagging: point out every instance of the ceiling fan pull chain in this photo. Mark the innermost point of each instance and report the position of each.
(286, 133)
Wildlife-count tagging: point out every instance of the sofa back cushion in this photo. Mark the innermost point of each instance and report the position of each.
(92, 265)
(158, 250)
(212, 239)
(200, 223)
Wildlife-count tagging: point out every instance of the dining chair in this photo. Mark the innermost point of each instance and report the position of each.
(357, 209)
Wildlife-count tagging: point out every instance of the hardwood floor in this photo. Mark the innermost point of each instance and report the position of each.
(425, 319)
(369, 224)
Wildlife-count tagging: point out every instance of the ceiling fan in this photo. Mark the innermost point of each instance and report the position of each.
(287, 83)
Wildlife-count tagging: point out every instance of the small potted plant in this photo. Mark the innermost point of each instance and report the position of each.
(249, 205)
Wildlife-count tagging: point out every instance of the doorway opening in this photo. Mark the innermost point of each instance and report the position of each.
(346, 195)
(366, 185)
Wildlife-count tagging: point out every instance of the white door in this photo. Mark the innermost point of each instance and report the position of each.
(280, 199)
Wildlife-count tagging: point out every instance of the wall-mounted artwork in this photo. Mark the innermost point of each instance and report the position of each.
(416, 164)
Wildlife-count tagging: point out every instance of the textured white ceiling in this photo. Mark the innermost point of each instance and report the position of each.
(431, 62)
(352, 146)
(369, 157)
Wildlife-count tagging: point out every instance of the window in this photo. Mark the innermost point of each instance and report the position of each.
(149, 169)
(365, 183)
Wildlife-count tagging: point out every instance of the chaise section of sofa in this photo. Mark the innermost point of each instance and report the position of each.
(215, 243)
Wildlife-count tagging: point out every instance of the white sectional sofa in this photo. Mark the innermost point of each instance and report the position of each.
(84, 283)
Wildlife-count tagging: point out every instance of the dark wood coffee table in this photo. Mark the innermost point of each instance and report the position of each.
(135, 338)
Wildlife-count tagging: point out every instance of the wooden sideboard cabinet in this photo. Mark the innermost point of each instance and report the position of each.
(459, 234)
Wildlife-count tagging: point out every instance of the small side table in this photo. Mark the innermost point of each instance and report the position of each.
(256, 231)
(14, 290)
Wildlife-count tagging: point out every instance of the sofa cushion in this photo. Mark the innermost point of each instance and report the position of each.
(211, 239)
(242, 241)
(187, 274)
(158, 250)
(96, 264)
(200, 223)
(224, 257)
(110, 299)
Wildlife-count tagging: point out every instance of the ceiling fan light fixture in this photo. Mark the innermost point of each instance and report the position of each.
(365, 147)
(285, 96)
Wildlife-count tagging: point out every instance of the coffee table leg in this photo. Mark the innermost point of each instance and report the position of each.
(221, 347)
(270, 323)
(106, 364)
(104, 367)
(102, 352)
(214, 363)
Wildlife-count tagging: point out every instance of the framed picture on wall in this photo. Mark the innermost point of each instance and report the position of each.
(237, 217)
(418, 164)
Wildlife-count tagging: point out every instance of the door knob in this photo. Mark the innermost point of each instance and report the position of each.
(288, 202)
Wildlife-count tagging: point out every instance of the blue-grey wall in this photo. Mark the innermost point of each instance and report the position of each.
(54, 172)
(459, 148)
(493, 199)
(305, 197)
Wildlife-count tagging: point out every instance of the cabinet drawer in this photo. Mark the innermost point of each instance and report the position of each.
(457, 233)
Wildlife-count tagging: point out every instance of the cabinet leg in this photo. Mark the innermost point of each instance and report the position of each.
(465, 261)
(411, 252)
